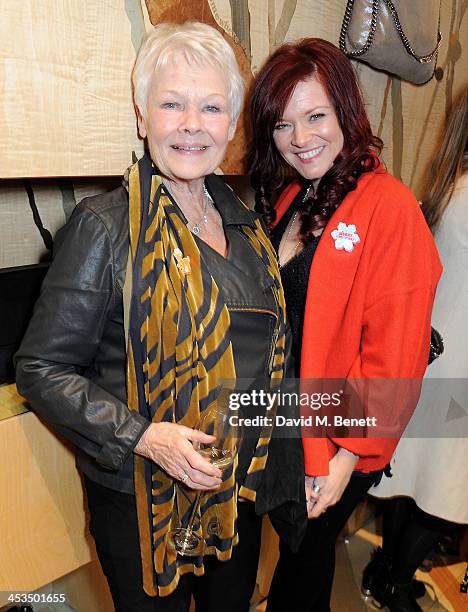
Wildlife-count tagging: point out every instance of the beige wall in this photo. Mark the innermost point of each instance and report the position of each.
(66, 110)
(20, 241)
(66, 107)
(407, 117)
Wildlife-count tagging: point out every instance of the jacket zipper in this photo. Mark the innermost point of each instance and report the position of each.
(274, 339)
(275, 314)
(275, 335)
(254, 309)
(272, 349)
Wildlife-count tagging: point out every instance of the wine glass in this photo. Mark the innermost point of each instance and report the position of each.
(216, 422)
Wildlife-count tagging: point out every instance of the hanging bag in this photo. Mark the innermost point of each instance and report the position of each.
(398, 36)
(19, 290)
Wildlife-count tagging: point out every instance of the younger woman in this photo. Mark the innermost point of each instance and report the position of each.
(359, 269)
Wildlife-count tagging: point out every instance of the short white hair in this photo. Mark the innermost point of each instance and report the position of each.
(196, 42)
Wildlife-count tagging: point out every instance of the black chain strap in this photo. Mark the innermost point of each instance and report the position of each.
(345, 26)
(422, 59)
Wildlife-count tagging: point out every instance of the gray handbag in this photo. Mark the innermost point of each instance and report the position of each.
(398, 36)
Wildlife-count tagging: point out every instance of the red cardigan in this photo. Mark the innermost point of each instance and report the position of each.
(368, 311)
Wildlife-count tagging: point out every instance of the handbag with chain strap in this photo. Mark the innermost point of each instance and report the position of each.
(396, 36)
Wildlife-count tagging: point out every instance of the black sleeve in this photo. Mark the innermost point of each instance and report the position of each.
(62, 340)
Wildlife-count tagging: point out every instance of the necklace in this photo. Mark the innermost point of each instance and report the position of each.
(283, 260)
(291, 225)
(197, 227)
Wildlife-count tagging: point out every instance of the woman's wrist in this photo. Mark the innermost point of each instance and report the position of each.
(347, 455)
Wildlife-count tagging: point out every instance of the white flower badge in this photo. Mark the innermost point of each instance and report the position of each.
(345, 237)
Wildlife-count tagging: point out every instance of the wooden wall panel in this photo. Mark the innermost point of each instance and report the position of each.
(64, 71)
(407, 117)
(66, 106)
(42, 517)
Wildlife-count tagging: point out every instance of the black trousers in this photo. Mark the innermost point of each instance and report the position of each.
(303, 580)
(226, 586)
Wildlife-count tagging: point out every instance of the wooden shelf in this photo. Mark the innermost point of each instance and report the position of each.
(11, 402)
(42, 511)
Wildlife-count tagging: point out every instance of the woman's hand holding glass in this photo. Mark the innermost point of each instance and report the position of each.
(173, 446)
(219, 446)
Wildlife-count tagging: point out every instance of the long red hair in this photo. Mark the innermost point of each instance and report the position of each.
(272, 89)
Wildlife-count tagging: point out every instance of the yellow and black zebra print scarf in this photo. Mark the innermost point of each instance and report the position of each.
(179, 351)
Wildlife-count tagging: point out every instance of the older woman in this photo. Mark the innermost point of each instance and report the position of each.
(359, 270)
(177, 257)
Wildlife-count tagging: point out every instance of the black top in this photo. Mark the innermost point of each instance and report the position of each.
(295, 278)
(246, 287)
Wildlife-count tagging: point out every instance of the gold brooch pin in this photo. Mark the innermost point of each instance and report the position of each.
(183, 263)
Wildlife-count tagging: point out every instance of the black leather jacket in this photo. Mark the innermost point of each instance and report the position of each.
(72, 362)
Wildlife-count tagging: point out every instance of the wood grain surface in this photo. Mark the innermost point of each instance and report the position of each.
(66, 106)
(42, 517)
